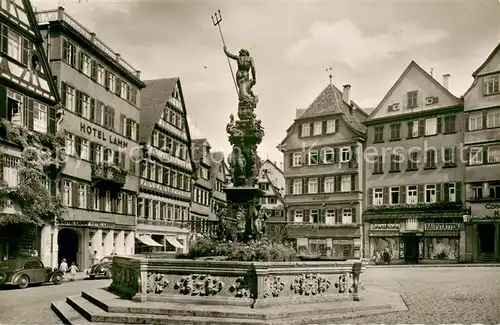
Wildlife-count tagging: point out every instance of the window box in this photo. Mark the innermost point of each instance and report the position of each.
(439, 206)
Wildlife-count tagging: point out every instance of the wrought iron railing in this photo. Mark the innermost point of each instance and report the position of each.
(109, 172)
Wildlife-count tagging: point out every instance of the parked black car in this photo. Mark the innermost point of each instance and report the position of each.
(102, 269)
(26, 271)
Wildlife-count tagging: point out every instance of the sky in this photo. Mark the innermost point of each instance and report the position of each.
(367, 44)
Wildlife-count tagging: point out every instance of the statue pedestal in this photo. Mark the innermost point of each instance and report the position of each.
(242, 204)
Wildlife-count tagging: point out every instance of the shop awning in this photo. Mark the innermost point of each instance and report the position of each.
(147, 240)
(174, 242)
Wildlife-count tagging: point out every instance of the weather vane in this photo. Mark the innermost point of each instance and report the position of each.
(330, 75)
(217, 19)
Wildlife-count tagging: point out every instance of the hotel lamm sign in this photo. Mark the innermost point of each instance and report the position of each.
(101, 135)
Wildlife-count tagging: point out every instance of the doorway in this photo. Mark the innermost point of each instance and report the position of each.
(486, 234)
(67, 241)
(411, 249)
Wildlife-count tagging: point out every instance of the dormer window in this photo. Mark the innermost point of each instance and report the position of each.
(305, 130)
(412, 97)
(491, 84)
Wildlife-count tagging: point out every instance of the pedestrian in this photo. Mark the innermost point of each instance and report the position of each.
(72, 271)
(95, 258)
(63, 267)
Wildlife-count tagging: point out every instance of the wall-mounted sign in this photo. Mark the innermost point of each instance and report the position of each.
(321, 197)
(101, 135)
(441, 227)
(495, 208)
(89, 224)
(343, 242)
(384, 226)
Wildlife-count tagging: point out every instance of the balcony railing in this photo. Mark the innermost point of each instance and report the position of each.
(59, 14)
(108, 174)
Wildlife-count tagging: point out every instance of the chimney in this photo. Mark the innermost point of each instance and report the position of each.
(118, 56)
(299, 112)
(60, 13)
(346, 95)
(138, 74)
(92, 37)
(446, 80)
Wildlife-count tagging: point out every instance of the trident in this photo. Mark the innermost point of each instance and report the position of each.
(216, 19)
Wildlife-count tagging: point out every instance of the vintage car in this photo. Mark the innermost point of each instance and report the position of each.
(26, 271)
(101, 269)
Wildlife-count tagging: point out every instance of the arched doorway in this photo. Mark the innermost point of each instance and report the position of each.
(67, 241)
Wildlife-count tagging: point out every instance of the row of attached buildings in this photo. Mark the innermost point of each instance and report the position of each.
(419, 176)
(132, 178)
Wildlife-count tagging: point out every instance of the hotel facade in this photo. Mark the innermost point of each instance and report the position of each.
(100, 93)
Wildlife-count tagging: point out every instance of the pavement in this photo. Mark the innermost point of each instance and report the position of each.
(434, 295)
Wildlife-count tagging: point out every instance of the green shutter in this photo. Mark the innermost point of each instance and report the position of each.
(458, 191)
(446, 192)
(5, 38)
(439, 124)
(370, 196)
(3, 102)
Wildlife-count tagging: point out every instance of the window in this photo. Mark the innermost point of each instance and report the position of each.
(345, 185)
(313, 185)
(100, 75)
(329, 184)
(452, 193)
(395, 195)
(449, 123)
(492, 84)
(130, 204)
(97, 154)
(70, 144)
(346, 216)
(412, 161)
(345, 154)
(156, 138)
(475, 121)
(313, 157)
(39, 117)
(69, 53)
(133, 130)
(85, 104)
(450, 158)
(10, 170)
(70, 98)
(412, 99)
(330, 126)
(413, 129)
(430, 193)
(494, 154)
(493, 118)
(111, 81)
(305, 130)
(412, 194)
(396, 131)
(379, 134)
(328, 156)
(477, 191)
(314, 216)
(98, 113)
(330, 216)
(109, 117)
(123, 90)
(82, 196)
(395, 163)
(378, 165)
(431, 126)
(475, 156)
(13, 44)
(430, 159)
(86, 65)
(133, 96)
(318, 128)
(494, 190)
(297, 159)
(298, 216)
(378, 196)
(297, 186)
(67, 199)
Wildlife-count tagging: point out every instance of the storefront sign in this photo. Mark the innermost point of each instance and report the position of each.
(321, 197)
(101, 135)
(384, 226)
(88, 224)
(495, 208)
(441, 227)
(343, 242)
(164, 188)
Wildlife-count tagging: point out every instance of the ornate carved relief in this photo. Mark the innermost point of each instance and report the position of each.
(241, 287)
(125, 276)
(157, 282)
(273, 287)
(199, 285)
(310, 284)
(344, 283)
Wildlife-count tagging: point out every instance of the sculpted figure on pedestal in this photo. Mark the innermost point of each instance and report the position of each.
(245, 66)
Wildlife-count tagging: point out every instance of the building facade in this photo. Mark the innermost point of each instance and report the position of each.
(324, 176)
(415, 172)
(203, 182)
(28, 97)
(482, 173)
(219, 171)
(99, 184)
(166, 171)
(272, 182)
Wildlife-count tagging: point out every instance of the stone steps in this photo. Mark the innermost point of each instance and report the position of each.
(102, 307)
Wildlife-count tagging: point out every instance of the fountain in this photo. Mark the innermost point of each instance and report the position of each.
(159, 290)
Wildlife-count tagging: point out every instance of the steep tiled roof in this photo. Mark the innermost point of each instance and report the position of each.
(153, 100)
(329, 101)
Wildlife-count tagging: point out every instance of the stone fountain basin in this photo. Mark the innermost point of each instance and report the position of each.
(253, 284)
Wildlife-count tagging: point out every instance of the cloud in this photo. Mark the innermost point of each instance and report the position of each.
(345, 42)
(195, 132)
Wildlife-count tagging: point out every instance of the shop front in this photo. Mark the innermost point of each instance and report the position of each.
(483, 232)
(385, 237)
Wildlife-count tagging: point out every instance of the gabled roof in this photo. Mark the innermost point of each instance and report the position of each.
(329, 102)
(488, 59)
(273, 164)
(275, 189)
(153, 101)
(412, 64)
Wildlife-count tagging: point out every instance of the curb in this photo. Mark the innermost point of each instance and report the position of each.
(400, 266)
